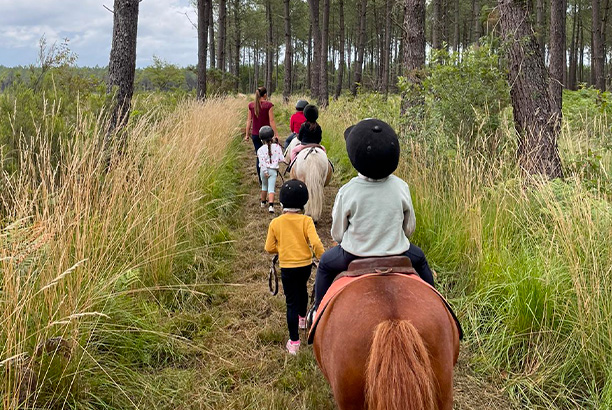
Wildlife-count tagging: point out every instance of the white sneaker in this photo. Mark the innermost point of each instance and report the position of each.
(293, 347)
(263, 204)
(271, 209)
(301, 322)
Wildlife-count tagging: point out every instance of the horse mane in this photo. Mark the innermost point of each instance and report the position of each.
(407, 385)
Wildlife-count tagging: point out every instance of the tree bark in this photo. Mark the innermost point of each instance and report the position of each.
(540, 16)
(571, 78)
(237, 35)
(598, 48)
(222, 35)
(323, 80)
(557, 52)
(436, 32)
(533, 108)
(341, 47)
(288, 53)
(122, 63)
(203, 14)
(211, 35)
(360, 47)
(269, 48)
(413, 59)
(476, 25)
(387, 49)
(456, 36)
(316, 49)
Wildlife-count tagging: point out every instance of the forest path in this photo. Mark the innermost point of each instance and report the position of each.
(246, 365)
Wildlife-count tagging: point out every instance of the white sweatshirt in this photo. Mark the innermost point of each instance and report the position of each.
(373, 217)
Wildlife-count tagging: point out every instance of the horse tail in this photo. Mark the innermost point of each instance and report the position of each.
(399, 373)
(315, 174)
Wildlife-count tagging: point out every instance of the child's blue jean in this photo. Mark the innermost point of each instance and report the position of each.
(268, 182)
(336, 260)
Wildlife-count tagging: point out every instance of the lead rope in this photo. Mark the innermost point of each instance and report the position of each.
(273, 275)
(310, 312)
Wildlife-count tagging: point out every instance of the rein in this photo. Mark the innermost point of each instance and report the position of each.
(273, 275)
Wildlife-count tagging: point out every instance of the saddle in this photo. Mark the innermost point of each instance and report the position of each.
(363, 268)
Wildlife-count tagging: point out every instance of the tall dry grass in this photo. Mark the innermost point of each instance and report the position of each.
(75, 239)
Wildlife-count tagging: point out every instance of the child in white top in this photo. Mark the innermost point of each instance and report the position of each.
(270, 155)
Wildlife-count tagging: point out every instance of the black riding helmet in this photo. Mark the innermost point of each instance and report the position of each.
(311, 112)
(373, 148)
(300, 105)
(293, 194)
(266, 133)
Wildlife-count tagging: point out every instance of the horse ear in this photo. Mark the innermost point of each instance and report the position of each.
(348, 131)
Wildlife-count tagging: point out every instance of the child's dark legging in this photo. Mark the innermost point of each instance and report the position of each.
(296, 295)
(336, 260)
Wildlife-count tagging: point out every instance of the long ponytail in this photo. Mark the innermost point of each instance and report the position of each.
(260, 92)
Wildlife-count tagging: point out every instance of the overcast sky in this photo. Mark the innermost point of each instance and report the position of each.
(163, 30)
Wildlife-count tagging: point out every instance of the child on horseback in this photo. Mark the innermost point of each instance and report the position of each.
(294, 238)
(269, 155)
(373, 213)
(296, 121)
(310, 132)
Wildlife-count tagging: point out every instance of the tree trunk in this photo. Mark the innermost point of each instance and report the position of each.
(203, 13)
(413, 59)
(122, 63)
(476, 26)
(456, 37)
(288, 53)
(540, 16)
(316, 49)
(323, 80)
(222, 35)
(598, 49)
(211, 35)
(341, 47)
(237, 43)
(581, 42)
(360, 47)
(604, 26)
(436, 29)
(571, 78)
(269, 48)
(387, 49)
(533, 108)
(557, 52)
(309, 60)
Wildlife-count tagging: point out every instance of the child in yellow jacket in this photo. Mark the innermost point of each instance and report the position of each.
(294, 237)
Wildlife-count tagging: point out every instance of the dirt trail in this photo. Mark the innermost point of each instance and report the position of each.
(246, 366)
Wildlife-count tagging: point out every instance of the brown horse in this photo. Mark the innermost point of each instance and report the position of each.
(388, 343)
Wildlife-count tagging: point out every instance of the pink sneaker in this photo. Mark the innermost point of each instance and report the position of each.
(301, 322)
(293, 347)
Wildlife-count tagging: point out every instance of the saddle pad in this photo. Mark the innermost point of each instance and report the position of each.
(341, 283)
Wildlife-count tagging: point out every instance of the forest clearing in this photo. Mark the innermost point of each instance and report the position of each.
(134, 221)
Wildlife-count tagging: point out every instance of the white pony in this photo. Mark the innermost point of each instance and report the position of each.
(313, 168)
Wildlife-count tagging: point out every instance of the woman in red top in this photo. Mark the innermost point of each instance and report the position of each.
(260, 113)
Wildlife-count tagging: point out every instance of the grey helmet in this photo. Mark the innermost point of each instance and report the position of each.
(266, 133)
(300, 105)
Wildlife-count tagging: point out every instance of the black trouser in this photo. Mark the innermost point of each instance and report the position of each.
(336, 260)
(295, 282)
(257, 144)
